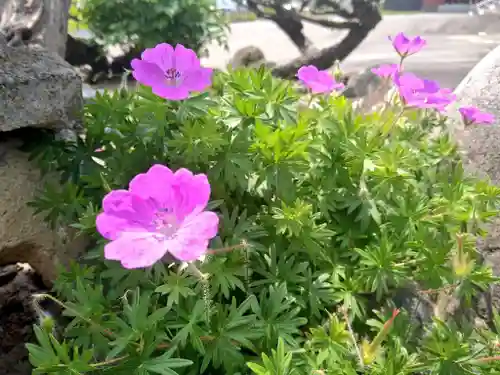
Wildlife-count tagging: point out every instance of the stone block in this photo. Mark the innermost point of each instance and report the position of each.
(480, 145)
(24, 236)
(38, 89)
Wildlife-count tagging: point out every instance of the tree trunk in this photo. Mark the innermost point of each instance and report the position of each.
(36, 22)
(292, 26)
(368, 16)
(288, 21)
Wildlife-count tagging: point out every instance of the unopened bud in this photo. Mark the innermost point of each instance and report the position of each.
(47, 322)
(370, 350)
(462, 264)
(337, 72)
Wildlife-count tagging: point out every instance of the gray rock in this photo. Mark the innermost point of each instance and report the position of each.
(369, 90)
(362, 83)
(247, 56)
(480, 145)
(38, 89)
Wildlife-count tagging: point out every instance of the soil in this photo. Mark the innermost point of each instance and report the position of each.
(17, 285)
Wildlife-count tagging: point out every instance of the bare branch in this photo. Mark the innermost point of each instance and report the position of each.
(253, 6)
(330, 7)
(304, 4)
(325, 58)
(329, 23)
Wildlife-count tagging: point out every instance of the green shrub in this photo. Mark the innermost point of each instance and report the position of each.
(325, 217)
(145, 23)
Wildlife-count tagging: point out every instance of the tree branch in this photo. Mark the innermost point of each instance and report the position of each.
(254, 7)
(334, 7)
(324, 59)
(328, 23)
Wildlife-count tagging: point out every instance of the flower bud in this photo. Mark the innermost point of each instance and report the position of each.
(337, 72)
(370, 350)
(461, 262)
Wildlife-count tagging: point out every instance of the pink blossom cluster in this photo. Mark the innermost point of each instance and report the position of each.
(164, 212)
(424, 93)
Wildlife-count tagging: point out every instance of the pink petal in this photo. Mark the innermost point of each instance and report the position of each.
(204, 225)
(386, 70)
(111, 227)
(185, 59)
(191, 193)
(155, 184)
(171, 92)
(307, 73)
(430, 86)
(198, 80)
(416, 45)
(136, 249)
(187, 251)
(400, 43)
(161, 55)
(127, 205)
(117, 201)
(192, 239)
(147, 73)
(123, 211)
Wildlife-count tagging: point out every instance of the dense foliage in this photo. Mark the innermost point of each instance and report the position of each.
(145, 23)
(333, 226)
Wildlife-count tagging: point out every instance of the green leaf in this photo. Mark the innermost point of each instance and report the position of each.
(164, 364)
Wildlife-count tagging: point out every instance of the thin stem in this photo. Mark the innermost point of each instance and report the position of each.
(75, 312)
(109, 361)
(489, 359)
(393, 94)
(351, 332)
(311, 98)
(394, 119)
(226, 249)
(401, 63)
(438, 290)
(408, 262)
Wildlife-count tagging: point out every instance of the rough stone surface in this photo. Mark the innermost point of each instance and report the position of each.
(368, 90)
(247, 56)
(37, 89)
(361, 83)
(24, 236)
(480, 145)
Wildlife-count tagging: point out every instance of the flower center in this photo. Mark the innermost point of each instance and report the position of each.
(172, 76)
(166, 223)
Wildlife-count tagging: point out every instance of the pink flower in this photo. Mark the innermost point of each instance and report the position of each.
(318, 81)
(161, 212)
(386, 70)
(171, 73)
(405, 46)
(473, 115)
(422, 93)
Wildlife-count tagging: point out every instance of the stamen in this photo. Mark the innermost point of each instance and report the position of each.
(165, 223)
(172, 74)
